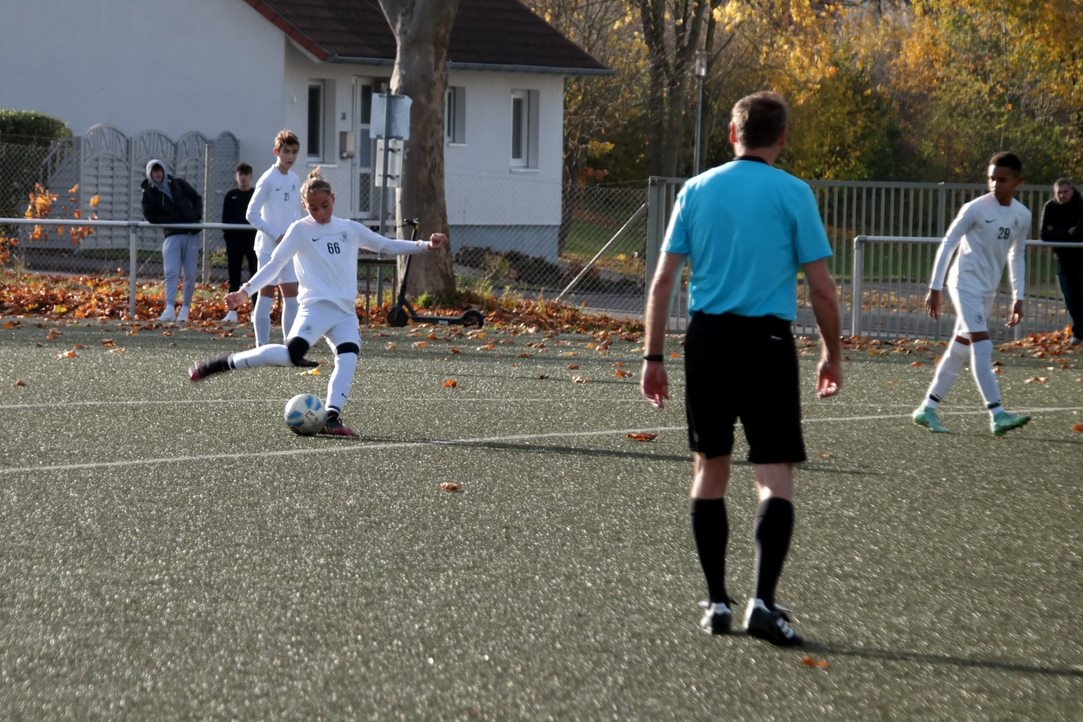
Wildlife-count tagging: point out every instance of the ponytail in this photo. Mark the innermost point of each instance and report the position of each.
(315, 182)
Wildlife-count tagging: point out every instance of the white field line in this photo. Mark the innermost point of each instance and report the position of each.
(235, 401)
(347, 447)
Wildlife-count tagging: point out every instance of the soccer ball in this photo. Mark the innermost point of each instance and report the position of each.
(305, 414)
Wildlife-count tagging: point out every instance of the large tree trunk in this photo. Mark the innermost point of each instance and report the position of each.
(422, 32)
(682, 26)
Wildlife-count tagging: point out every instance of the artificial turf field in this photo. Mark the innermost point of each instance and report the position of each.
(168, 550)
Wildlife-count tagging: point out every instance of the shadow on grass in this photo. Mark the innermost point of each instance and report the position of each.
(827, 649)
(537, 448)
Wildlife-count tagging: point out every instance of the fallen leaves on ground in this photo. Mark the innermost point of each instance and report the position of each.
(642, 436)
(815, 663)
(450, 486)
(56, 297)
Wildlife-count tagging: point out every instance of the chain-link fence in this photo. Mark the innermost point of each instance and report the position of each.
(98, 176)
(606, 238)
(599, 258)
(599, 261)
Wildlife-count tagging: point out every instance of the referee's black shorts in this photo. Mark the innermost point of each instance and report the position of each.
(741, 367)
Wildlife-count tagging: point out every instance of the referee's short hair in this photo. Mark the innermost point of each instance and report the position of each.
(760, 119)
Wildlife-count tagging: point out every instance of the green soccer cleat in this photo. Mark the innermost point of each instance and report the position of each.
(928, 418)
(1003, 422)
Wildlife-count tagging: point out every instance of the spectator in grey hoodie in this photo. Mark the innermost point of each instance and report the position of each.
(167, 199)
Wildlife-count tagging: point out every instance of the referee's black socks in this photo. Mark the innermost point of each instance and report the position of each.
(711, 533)
(774, 528)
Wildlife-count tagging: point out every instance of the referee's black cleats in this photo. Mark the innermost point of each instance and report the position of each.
(717, 617)
(772, 625)
(207, 367)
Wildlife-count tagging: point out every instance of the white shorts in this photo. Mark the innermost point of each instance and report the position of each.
(323, 318)
(971, 310)
(263, 255)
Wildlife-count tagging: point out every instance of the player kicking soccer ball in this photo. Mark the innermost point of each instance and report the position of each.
(989, 231)
(323, 249)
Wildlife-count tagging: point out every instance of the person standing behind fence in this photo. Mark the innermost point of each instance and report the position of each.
(746, 228)
(167, 199)
(989, 231)
(240, 245)
(274, 206)
(1062, 220)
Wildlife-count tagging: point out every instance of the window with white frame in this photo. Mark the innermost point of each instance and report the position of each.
(455, 115)
(524, 129)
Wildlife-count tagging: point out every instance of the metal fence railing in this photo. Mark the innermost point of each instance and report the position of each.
(376, 275)
(589, 250)
(600, 253)
(99, 175)
(899, 225)
(597, 261)
(890, 279)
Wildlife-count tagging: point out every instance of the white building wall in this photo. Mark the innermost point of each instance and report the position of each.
(340, 115)
(117, 61)
(482, 186)
(216, 66)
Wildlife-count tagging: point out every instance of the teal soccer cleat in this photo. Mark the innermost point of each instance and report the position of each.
(930, 420)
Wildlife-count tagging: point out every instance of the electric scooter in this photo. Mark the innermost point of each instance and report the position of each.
(402, 312)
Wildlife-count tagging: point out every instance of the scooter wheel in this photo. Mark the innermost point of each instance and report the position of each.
(473, 317)
(397, 317)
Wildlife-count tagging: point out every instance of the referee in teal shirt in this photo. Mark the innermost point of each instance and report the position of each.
(746, 228)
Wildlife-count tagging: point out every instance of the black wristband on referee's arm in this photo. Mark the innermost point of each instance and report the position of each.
(654, 357)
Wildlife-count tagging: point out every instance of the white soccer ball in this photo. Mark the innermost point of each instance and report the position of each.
(305, 414)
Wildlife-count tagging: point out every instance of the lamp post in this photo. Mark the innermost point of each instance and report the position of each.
(700, 70)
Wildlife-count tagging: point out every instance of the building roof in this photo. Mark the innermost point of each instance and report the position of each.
(487, 35)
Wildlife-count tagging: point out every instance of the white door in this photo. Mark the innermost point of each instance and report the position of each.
(364, 203)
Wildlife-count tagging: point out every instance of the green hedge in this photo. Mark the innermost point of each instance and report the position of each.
(25, 137)
(28, 127)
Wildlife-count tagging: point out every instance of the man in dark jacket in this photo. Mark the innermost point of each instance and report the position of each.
(167, 199)
(1062, 220)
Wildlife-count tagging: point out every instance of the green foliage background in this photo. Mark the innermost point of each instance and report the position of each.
(890, 90)
(24, 141)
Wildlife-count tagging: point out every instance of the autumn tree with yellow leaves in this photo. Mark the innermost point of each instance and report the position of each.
(880, 89)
